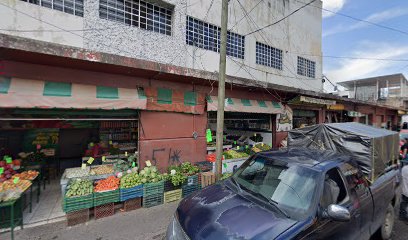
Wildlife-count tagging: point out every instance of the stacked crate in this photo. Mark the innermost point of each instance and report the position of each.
(131, 197)
(153, 194)
(191, 185)
(104, 203)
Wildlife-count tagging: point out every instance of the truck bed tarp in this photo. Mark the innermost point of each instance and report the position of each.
(373, 148)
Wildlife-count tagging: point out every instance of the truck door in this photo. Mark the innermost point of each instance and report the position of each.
(335, 191)
(358, 188)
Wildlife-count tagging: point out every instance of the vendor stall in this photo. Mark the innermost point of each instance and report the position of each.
(247, 123)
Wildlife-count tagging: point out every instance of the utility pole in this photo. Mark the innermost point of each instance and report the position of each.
(221, 89)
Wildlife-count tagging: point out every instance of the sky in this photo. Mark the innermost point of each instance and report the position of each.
(346, 37)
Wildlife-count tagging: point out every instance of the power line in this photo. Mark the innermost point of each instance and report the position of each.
(245, 15)
(360, 20)
(266, 40)
(280, 20)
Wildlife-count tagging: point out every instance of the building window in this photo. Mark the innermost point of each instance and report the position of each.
(306, 67)
(74, 7)
(138, 14)
(268, 56)
(208, 36)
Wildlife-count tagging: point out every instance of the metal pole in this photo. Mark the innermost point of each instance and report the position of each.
(221, 89)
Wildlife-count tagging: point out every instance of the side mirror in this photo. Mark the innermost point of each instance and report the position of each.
(337, 213)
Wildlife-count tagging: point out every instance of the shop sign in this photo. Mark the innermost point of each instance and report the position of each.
(317, 100)
(355, 114)
(336, 107)
(284, 121)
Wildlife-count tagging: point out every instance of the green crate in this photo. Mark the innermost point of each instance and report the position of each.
(101, 198)
(152, 200)
(187, 190)
(71, 204)
(153, 188)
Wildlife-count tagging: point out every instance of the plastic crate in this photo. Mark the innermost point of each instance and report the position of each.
(101, 198)
(168, 186)
(153, 188)
(192, 180)
(129, 193)
(104, 210)
(187, 190)
(152, 200)
(132, 204)
(71, 204)
(172, 196)
(78, 217)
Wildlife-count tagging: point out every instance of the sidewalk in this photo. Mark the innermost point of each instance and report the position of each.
(144, 223)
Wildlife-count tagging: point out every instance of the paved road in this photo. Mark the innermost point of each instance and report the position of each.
(140, 224)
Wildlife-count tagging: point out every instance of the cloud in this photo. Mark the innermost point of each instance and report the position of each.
(332, 5)
(375, 18)
(361, 68)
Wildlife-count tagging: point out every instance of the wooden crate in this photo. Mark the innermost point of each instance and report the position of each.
(207, 179)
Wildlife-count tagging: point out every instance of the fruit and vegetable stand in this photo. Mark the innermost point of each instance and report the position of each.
(12, 197)
(132, 189)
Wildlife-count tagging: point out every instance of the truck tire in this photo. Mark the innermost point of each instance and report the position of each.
(388, 225)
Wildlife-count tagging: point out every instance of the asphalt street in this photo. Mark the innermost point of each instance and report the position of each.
(142, 224)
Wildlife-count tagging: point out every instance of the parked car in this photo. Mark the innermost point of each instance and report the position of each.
(292, 194)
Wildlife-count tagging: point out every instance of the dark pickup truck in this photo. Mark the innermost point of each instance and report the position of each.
(294, 194)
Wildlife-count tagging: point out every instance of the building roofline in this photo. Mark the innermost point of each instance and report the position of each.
(8, 42)
(371, 79)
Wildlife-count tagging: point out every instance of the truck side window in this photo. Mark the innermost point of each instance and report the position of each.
(334, 190)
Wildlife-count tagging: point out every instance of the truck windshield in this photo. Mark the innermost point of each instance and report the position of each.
(291, 187)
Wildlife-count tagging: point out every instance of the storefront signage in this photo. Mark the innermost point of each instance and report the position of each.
(355, 114)
(336, 107)
(317, 100)
(284, 121)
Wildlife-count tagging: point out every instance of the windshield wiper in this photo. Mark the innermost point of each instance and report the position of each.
(236, 184)
(272, 202)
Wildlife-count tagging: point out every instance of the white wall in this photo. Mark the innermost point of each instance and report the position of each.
(15, 16)
(300, 34)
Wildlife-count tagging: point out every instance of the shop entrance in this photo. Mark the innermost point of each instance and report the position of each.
(50, 141)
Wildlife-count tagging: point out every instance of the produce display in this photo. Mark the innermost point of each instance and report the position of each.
(101, 170)
(20, 186)
(150, 175)
(27, 175)
(130, 180)
(232, 154)
(261, 147)
(77, 172)
(79, 187)
(175, 177)
(8, 171)
(121, 165)
(188, 169)
(107, 184)
(226, 175)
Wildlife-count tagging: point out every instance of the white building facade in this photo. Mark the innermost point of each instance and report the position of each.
(184, 33)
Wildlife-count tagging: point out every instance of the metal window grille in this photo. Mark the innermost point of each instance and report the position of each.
(268, 56)
(138, 14)
(306, 67)
(74, 7)
(208, 36)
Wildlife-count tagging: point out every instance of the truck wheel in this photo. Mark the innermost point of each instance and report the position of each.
(388, 225)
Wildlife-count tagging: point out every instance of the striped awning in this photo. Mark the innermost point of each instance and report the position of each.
(245, 105)
(24, 93)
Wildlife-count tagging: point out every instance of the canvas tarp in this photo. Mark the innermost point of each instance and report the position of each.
(373, 148)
